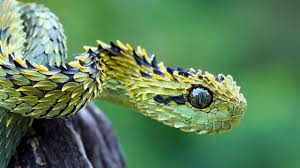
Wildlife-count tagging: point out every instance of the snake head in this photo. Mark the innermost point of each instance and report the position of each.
(191, 100)
(212, 103)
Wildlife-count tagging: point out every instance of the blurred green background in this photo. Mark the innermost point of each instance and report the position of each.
(255, 41)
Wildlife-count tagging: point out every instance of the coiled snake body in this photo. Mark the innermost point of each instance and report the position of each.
(35, 81)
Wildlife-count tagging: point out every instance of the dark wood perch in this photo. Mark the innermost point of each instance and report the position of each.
(81, 141)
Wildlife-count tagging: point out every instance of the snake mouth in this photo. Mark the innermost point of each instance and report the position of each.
(238, 113)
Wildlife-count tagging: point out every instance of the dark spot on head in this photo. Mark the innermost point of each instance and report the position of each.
(160, 100)
(178, 99)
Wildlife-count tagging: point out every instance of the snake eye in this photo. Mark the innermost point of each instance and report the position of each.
(200, 97)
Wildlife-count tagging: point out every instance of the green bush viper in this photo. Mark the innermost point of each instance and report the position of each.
(35, 81)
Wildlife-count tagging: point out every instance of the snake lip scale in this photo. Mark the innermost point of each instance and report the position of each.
(36, 82)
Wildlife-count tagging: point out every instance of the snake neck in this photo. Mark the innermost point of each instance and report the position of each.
(117, 65)
(112, 74)
(120, 67)
(133, 77)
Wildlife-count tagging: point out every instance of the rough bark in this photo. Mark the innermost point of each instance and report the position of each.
(80, 141)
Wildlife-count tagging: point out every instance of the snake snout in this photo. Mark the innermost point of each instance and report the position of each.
(238, 111)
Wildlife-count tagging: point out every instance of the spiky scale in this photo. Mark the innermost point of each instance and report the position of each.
(20, 80)
(45, 33)
(81, 77)
(68, 110)
(2, 72)
(5, 82)
(48, 100)
(54, 94)
(74, 100)
(36, 113)
(77, 92)
(55, 112)
(87, 83)
(45, 85)
(12, 71)
(65, 98)
(31, 100)
(3, 95)
(59, 106)
(13, 100)
(11, 92)
(70, 86)
(29, 91)
(6, 106)
(33, 75)
(59, 78)
(22, 108)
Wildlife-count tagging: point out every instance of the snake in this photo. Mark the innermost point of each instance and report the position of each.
(36, 81)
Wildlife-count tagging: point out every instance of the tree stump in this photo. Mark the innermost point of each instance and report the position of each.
(85, 140)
